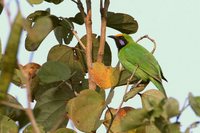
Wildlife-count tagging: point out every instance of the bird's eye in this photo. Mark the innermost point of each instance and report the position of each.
(122, 42)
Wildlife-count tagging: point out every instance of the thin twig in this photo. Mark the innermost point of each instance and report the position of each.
(185, 105)
(74, 32)
(111, 114)
(193, 125)
(126, 90)
(12, 105)
(103, 11)
(152, 40)
(127, 85)
(29, 111)
(80, 7)
(7, 11)
(78, 39)
(75, 1)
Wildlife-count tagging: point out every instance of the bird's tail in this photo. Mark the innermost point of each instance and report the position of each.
(159, 85)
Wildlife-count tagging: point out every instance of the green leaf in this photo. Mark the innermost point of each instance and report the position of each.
(18, 78)
(71, 57)
(173, 128)
(171, 107)
(167, 127)
(133, 92)
(14, 114)
(65, 130)
(9, 111)
(161, 123)
(35, 1)
(54, 1)
(38, 32)
(39, 88)
(63, 32)
(101, 92)
(96, 40)
(122, 22)
(7, 125)
(50, 107)
(148, 128)
(37, 14)
(195, 103)
(151, 98)
(9, 58)
(85, 110)
(78, 19)
(29, 129)
(60, 33)
(134, 119)
(82, 85)
(53, 71)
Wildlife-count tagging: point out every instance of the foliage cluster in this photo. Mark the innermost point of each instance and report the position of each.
(61, 88)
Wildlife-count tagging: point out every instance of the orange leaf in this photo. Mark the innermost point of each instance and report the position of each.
(104, 76)
(116, 126)
(30, 69)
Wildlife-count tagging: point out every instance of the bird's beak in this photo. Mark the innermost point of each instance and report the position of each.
(113, 37)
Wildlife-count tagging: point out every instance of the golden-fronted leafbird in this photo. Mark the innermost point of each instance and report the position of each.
(133, 57)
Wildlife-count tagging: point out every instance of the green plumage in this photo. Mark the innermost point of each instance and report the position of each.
(132, 55)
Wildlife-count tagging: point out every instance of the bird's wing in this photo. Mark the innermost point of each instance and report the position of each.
(138, 55)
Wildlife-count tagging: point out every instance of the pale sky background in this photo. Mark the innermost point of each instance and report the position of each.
(174, 24)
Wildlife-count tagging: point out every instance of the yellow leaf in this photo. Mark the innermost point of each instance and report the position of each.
(104, 76)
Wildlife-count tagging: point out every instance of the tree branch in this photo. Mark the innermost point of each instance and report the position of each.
(152, 40)
(78, 39)
(29, 111)
(103, 11)
(88, 25)
(120, 106)
(74, 32)
(185, 105)
(81, 8)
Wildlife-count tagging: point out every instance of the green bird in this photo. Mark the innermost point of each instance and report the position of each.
(133, 57)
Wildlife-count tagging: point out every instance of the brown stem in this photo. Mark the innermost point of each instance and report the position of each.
(81, 8)
(74, 32)
(29, 111)
(88, 25)
(120, 106)
(79, 40)
(152, 40)
(103, 11)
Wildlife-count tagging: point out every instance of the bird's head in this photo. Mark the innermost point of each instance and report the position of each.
(121, 40)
